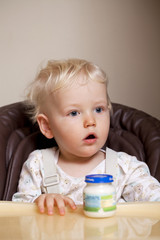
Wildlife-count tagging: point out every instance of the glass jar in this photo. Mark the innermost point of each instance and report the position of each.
(99, 198)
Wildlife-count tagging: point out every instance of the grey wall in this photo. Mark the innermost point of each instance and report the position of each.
(122, 36)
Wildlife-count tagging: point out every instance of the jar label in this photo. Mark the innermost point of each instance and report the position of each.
(93, 203)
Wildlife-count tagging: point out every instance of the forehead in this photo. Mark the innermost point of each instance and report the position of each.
(69, 80)
(81, 90)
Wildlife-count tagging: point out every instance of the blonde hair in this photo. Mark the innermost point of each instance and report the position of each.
(59, 74)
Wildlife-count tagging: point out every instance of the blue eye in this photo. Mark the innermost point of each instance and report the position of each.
(73, 113)
(99, 109)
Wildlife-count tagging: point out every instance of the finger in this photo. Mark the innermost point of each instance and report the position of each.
(60, 204)
(49, 202)
(40, 201)
(70, 202)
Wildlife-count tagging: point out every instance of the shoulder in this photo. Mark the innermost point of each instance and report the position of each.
(50, 154)
(35, 158)
(39, 152)
(130, 163)
(127, 162)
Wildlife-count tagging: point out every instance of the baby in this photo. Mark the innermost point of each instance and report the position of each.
(71, 104)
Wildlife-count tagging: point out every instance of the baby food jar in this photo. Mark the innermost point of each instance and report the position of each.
(99, 198)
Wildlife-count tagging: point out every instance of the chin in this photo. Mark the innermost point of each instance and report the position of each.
(89, 152)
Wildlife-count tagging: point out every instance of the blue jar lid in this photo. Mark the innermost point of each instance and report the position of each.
(99, 178)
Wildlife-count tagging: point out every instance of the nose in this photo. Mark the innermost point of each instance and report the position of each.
(89, 121)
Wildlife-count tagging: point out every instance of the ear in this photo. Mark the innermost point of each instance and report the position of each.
(43, 123)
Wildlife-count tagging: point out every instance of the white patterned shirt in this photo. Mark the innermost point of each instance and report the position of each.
(133, 180)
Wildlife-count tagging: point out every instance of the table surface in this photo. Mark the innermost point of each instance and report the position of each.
(132, 221)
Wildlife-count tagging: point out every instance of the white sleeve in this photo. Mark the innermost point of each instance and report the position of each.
(29, 187)
(136, 182)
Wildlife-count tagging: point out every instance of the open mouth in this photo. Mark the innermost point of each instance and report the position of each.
(91, 138)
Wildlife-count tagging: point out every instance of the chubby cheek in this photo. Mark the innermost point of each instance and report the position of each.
(66, 134)
(104, 129)
(68, 141)
(104, 134)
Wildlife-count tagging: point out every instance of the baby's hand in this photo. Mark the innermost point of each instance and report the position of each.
(50, 200)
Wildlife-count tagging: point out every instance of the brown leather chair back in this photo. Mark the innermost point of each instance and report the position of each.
(131, 131)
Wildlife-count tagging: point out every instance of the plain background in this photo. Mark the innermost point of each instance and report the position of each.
(121, 36)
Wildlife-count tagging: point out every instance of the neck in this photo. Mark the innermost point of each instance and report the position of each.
(79, 166)
(73, 159)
